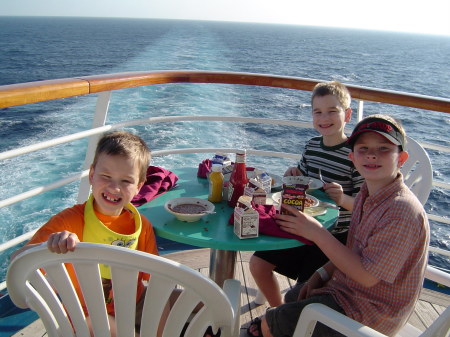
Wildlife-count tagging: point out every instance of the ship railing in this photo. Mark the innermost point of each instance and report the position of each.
(104, 85)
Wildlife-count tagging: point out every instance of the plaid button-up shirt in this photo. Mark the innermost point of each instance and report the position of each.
(390, 232)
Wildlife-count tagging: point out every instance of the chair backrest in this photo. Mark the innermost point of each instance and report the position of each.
(38, 279)
(417, 171)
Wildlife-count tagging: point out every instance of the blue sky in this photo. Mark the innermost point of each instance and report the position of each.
(428, 17)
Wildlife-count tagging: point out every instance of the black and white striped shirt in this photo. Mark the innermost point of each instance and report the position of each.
(336, 167)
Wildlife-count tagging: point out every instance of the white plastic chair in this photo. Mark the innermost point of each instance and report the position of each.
(316, 312)
(53, 297)
(347, 326)
(417, 171)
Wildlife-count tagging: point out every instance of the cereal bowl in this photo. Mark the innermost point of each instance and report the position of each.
(189, 209)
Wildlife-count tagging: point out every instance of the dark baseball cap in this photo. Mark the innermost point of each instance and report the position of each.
(381, 126)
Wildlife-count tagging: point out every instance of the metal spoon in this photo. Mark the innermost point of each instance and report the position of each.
(320, 176)
(323, 203)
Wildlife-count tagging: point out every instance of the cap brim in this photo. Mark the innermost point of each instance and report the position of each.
(354, 136)
(389, 138)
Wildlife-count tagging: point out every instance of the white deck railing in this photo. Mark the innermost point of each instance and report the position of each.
(104, 85)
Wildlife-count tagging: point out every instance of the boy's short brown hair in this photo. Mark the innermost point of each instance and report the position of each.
(334, 88)
(122, 143)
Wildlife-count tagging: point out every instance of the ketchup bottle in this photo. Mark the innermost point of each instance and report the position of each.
(238, 179)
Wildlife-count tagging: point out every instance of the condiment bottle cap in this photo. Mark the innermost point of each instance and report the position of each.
(216, 168)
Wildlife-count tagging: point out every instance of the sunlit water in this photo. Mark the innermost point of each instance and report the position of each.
(37, 49)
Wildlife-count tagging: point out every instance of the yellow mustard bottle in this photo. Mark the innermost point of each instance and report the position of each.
(215, 183)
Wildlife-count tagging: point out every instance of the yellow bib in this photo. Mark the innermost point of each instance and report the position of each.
(95, 231)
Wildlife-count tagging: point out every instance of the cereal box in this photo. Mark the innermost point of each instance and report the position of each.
(221, 158)
(293, 195)
(246, 219)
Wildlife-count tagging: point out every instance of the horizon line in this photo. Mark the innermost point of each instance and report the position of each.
(232, 21)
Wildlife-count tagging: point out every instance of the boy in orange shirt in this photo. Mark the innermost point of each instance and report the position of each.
(116, 175)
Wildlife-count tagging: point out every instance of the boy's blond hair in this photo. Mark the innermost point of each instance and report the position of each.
(122, 143)
(334, 88)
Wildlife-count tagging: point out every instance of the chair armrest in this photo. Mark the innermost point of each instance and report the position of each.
(408, 331)
(232, 289)
(316, 312)
(437, 275)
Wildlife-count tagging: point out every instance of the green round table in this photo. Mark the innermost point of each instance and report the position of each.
(213, 230)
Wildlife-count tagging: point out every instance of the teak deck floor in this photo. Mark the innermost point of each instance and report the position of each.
(430, 305)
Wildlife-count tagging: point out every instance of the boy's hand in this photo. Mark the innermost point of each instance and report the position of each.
(299, 223)
(292, 171)
(314, 282)
(334, 191)
(62, 242)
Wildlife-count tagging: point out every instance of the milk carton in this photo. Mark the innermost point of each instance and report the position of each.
(255, 190)
(246, 219)
(264, 179)
(226, 171)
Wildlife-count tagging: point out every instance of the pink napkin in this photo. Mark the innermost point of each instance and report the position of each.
(158, 181)
(268, 225)
(204, 168)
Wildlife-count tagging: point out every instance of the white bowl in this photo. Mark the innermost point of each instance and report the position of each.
(199, 208)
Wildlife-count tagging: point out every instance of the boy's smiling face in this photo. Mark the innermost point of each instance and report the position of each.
(377, 159)
(115, 181)
(329, 117)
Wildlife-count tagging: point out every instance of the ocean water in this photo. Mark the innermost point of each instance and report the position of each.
(33, 49)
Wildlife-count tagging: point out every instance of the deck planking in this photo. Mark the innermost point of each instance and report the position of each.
(428, 308)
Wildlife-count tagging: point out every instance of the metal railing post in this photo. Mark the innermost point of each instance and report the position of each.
(101, 111)
(360, 111)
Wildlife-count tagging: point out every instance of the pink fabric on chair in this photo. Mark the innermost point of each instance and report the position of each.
(159, 181)
(268, 225)
(204, 168)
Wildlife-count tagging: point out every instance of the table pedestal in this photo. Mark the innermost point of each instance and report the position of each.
(221, 265)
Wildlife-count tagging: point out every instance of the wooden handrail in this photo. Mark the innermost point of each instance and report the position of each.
(40, 91)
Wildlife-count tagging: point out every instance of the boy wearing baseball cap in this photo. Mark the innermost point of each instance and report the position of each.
(377, 276)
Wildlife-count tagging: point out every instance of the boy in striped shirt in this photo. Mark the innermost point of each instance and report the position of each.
(329, 152)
